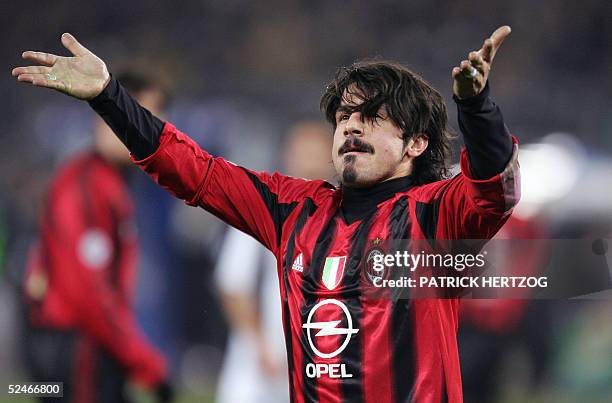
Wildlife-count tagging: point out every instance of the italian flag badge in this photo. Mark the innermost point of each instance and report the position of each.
(333, 271)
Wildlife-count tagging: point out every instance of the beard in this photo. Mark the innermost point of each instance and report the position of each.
(349, 174)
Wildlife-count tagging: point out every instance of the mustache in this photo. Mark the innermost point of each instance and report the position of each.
(355, 144)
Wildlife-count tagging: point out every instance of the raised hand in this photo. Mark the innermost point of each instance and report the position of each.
(83, 75)
(470, 77)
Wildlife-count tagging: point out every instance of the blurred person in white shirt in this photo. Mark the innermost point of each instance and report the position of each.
(255, 364)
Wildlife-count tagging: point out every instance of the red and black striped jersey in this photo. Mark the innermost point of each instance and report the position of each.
(343, 346)
(81, 274)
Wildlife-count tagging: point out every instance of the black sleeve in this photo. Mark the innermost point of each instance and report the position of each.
(135, 126)
(487, 139)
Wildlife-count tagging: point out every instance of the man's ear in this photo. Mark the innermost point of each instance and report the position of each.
(416, 145)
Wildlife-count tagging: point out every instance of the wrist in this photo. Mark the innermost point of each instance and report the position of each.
(108, 89)
(474, 102)
(107, 79)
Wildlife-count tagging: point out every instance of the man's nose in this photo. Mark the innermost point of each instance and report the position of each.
(354, 125)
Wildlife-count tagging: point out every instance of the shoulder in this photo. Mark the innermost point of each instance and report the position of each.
(291, 188)
(429, 192)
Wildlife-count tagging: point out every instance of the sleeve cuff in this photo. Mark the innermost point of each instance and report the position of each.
(107, 93)
(474, 103)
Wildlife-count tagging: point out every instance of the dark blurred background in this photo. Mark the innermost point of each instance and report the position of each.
(242, 72)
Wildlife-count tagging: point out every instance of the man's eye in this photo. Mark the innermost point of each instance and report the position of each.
(343, 116)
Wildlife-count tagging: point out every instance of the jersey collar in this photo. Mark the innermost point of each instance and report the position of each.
(359, 202)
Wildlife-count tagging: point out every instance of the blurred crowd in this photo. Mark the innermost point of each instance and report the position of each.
(242, 76)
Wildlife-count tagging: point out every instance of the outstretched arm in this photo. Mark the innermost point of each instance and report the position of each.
(487, 140)
(235, 194)
(476, 204)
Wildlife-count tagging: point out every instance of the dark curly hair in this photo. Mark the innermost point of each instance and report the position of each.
(412, 104)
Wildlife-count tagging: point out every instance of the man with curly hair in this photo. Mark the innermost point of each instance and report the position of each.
(390, 151)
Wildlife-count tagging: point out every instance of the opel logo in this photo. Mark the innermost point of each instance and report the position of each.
(329, 328)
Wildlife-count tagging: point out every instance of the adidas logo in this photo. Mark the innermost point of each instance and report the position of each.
(297, 264)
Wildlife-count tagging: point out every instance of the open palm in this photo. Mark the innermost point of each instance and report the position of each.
(83, 75)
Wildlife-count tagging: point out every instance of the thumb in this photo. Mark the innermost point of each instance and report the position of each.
(73, 45)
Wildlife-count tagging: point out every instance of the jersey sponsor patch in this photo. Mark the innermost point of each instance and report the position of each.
(329, 328)
(332, 328)
(333, 271)
(95, 249)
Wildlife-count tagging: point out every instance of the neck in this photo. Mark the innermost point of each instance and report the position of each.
(359, 202)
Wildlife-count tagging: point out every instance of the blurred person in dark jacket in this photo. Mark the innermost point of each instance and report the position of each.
(80, 278)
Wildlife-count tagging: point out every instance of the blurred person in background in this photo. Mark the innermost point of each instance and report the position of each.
(255, 364)
(81, 326)
(492, 328)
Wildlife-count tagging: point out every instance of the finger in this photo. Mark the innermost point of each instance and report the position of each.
(456, 72)
(40, 80)
(500, 35)
(30, 70)
(46, 59)
(45, 82)
(477, 61)
(73, 45)
(467, 70)
(26, 78)
(466, 66)
(487, 50)
(492, 44)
